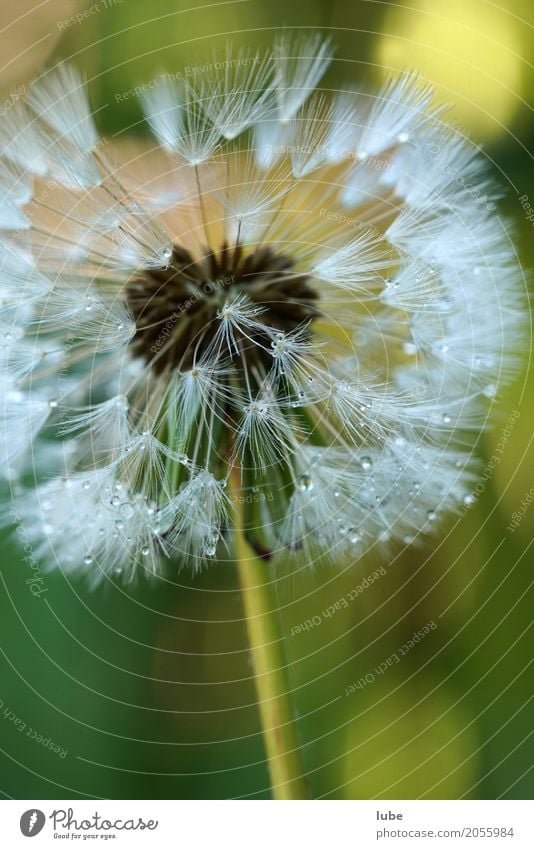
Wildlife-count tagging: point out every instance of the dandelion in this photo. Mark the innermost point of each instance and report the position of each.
(308, 298)
(322, 321)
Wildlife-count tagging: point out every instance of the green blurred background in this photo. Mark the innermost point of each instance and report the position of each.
(149, 691)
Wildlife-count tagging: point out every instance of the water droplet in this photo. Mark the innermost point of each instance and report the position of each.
(431, 515)
(354, 536)
(127, 510)
(469, 499)
(119, 524)
(145, 550)
(86, 484)
(88, 559)
(366, 463)
(304, 483)
(115, 501)
(53, 404)
(446, 419)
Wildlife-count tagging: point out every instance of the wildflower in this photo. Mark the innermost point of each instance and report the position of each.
(311, 293)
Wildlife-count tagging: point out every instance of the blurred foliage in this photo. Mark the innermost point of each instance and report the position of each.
(150, 690)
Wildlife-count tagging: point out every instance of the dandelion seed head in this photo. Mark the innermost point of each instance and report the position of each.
(325, 307)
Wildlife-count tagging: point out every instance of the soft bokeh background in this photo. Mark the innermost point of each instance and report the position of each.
(149, 692)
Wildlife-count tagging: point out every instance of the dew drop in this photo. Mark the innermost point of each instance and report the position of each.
(145, 550)
(88, 559)
(115, 501)
(366, 463)
(86, 484)
(167, 253)
(355, 536)
(304, 483)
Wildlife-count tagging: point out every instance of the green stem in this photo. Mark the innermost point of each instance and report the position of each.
(272, 688)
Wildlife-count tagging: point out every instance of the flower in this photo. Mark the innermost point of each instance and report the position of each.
(311, 295)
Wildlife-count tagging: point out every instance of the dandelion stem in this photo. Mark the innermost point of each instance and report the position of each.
(286, 770)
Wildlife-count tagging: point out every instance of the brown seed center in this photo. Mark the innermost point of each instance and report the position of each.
(176, 308)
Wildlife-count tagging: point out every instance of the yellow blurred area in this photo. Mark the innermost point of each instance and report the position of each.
(472, 51)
